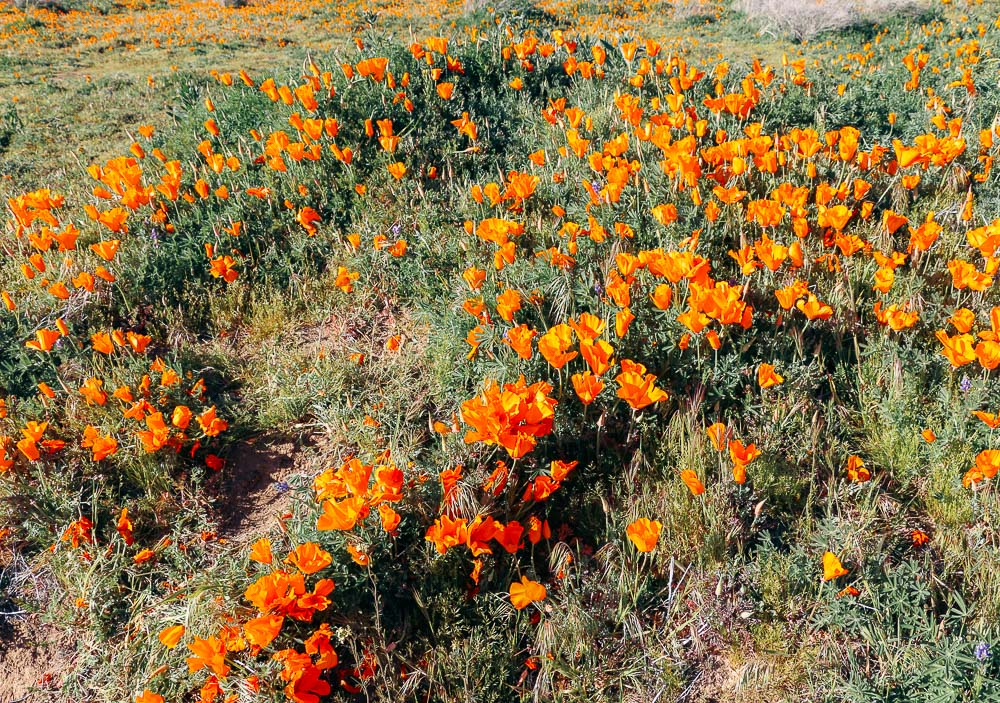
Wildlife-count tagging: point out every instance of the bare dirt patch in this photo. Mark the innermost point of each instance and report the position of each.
(255, 490)
(34, 660)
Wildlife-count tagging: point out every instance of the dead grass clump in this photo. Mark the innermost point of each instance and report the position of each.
(807, 18)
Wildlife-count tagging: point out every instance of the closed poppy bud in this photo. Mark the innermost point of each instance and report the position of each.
(623, 320)
(261, 551)
(691, 480)
(928, 435)
(717, 435)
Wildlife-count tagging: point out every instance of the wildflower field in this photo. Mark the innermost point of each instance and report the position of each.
(568, 351)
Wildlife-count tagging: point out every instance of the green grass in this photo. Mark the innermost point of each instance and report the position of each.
(730, 605)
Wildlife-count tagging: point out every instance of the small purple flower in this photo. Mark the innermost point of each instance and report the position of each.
(281, 486)
(982, 651)
(965, 384)
(396, 229)
(598, 289)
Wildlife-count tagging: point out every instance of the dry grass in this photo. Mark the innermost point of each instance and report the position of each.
(808, 18)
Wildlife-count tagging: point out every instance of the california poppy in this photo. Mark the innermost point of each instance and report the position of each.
(644, 533)
(526, 592)
(261, 551)
(857, 472)
(309, 558)
(767, 377)
(44, 340)
(717, 434)
(209, 653)
(261, 631)
(636, 387)
(832, 568)
(691, 480)
(170, 636)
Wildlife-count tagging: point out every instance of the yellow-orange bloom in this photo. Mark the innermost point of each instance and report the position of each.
(644, 533)
(767, 377)
(832, 568)
(170, 636)
(526, 592)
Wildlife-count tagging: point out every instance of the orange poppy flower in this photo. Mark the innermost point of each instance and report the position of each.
(106, 249)
(44, 340)
(587, 386)
(588, 326)
(813, 309)
(508, 303)
(717, 434)
(389, 517)
(832, 568)
(767, 377)
(691, 480)
(211, 425)
(597, 354)
(309, 558)
(358, 556)
(623, 320)
(644, 533)
(857, 472)
(636, 387)
(957, 349)
(261, 631)
(526, 592)
(209, 653)
(990, 419)
(261, 551)
(554, 345)
(170, 636)
(340, 515)
(519, 339)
